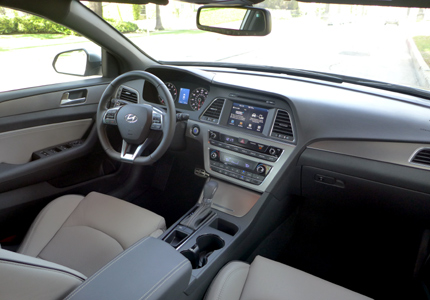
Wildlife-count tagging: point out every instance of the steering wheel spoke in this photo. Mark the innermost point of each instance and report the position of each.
(129, 152)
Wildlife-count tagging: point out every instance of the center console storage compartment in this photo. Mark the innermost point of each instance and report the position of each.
(224, 226)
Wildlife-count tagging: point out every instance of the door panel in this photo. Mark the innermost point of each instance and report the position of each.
(16, 147)
(37, 121)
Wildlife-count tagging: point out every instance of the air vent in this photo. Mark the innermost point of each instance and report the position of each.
(422, 157)
(128, 95)
(282, 128)
(213, 112)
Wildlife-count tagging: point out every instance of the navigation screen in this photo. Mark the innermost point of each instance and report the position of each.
(184, 94)
(248, 117)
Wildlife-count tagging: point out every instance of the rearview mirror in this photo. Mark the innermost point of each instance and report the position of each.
(79, 62)
(234, 20)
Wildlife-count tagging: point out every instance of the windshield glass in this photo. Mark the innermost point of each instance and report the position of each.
(387, 44)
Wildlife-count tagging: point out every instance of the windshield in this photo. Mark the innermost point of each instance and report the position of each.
(389, 44)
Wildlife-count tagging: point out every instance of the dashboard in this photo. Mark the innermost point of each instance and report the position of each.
(253, 127)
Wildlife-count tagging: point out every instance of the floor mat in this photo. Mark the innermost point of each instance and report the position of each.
(365, 251)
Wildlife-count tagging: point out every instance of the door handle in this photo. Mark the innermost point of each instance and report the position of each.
(66, 101)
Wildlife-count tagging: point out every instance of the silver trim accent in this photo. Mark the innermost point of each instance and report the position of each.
(128, 156)
(65, 101)
(292, 127)
(415, 153)
(390, 152)
(220, 114)
(201, 173)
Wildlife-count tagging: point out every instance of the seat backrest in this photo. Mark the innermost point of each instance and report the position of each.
(26, 277)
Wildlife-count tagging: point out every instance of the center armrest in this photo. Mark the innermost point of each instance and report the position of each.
(150, 269)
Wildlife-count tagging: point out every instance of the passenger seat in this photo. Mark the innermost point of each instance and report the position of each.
(270, 280)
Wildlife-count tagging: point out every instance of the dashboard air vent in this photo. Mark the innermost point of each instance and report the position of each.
(422, 157)
(282, 128)
(128, 95)
(213, 112)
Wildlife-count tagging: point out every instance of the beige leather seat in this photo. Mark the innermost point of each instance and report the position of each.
(72, 238)
(269, 280)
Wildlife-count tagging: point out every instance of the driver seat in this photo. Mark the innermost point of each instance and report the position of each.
(77, 234)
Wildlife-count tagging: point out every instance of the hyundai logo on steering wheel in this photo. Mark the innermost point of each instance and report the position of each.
(131, 118)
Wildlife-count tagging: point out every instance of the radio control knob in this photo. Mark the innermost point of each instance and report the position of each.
(261, 169)
(272, 151)
(214, 155)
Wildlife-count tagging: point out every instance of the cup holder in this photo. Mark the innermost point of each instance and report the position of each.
(202, 249)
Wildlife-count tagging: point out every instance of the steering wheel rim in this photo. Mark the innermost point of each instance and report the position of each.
(168, 121)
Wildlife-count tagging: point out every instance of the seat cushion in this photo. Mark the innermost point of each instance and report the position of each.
(85, 233)
(26, 277)
(269, 280)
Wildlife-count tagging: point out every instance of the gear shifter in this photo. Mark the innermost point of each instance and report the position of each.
(195, 219)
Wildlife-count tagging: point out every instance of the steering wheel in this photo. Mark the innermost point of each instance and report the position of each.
(136, 122)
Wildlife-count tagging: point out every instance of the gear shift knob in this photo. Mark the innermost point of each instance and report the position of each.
(204, 210)
(209, 191)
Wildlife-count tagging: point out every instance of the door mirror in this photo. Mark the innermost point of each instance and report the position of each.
(234, 20)
(79, 62)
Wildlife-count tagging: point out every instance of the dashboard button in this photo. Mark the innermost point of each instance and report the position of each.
(254, 181)
(262, 156)
(260, 177)
(247, 179)
(234, 175)
(245, 151)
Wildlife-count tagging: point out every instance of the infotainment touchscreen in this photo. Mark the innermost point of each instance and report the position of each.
(248, 117)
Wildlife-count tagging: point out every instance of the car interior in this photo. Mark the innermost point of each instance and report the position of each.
(159, 180)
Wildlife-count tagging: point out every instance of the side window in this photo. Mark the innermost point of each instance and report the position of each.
(29, 45)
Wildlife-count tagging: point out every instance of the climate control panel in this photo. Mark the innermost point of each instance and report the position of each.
(238, 167)
(245, 146)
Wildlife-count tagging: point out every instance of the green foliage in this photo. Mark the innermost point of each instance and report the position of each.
(31, 24)
(36, 25)
(122, 26)
(423, 45)
(136, 11)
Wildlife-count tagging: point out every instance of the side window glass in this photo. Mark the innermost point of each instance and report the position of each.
(30, 49)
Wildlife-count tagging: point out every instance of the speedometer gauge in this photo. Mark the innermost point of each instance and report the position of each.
(173, 91)
(198, 97)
